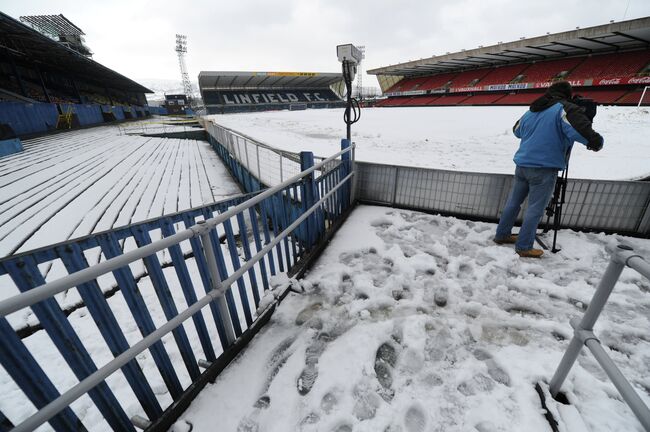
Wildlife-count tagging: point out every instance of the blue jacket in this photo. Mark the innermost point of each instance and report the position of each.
(548, 131)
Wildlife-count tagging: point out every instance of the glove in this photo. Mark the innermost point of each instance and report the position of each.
(596, 144)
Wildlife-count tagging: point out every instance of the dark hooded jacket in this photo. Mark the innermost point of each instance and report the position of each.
(549, 129)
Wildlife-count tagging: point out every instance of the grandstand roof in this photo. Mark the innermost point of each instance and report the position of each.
(243, 80)
(22, 42)
(621, 36)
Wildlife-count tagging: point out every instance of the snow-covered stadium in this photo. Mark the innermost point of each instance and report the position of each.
(246, 269)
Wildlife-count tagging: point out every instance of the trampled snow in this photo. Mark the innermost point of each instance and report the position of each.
(472, 138)
(72, 184)
(414, 322)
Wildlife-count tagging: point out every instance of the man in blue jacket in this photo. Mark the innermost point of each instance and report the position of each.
(547, 131)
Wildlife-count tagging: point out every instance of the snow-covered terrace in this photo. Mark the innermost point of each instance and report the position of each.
(76, 183)
(414, 322)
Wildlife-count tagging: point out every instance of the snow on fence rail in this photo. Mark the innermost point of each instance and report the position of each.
(278, 229)
(618, 206)
(268, 165)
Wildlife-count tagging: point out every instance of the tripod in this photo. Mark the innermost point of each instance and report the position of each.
(554, 208)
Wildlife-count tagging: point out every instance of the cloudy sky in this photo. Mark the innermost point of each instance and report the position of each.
(137, 37)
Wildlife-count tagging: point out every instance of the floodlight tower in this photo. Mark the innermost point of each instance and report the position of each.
(361, 48)
(181, 50)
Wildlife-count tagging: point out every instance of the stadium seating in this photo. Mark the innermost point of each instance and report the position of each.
(421, 100)
(482, 99)
(633, 98)
(613, 65)
(438, 81)
(503, 74)
(408, 84)
(465, 79)
(547, 70)
(448, 100)
(519, 98)
(601, 96)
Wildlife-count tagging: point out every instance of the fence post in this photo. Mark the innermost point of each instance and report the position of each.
(307, 195)
(605, 287)
(216, 285)
(346, 163)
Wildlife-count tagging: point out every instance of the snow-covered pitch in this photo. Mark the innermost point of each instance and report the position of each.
(413, 322)
(469, 138)
(76, 183)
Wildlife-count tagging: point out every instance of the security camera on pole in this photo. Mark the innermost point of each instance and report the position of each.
(350, 56)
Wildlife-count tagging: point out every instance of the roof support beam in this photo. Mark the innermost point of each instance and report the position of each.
(601, 42)
(625, 35)
(572, 46)
(525, 53)
(564, 53)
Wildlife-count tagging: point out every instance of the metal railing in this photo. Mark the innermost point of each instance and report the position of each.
(623, 256)
(614, 206)
(277, 229)
(268, 165)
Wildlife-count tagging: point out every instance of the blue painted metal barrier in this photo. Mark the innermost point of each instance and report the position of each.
(10, 146)
(26, 118)
(87, 114)
(223, 258)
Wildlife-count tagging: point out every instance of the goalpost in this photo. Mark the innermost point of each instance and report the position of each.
(645, 89)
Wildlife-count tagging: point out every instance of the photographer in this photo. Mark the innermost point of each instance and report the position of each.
(547, 131)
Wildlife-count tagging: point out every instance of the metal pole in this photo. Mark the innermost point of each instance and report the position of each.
(642, 94)
(622, 385)
(596, 305)
(222, 306)
(259, 171)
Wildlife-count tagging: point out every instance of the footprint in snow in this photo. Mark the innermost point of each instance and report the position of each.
(366, 402)
(345, 427)
(415, 419)
(385, 360)
(329, 401)
(494, 370)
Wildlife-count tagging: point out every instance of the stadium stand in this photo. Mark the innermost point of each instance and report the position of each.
(438, 81)
(46, 73)
(519, 98)
(449, 100)
(602, 96)
(609, 63)
(482, 99)
(615, 65)
(470, 78)
(229, 92)
(633, 97)
(547, 70)
(503, 74)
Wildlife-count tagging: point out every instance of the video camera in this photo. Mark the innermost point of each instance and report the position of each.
(589, 105)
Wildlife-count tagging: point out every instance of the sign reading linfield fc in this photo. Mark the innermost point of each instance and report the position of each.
(254, 97)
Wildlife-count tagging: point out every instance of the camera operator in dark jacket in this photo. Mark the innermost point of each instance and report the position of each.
(547, 131)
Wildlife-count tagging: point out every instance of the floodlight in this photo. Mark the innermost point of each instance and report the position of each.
(349, 53)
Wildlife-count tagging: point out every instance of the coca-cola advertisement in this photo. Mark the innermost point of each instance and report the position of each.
(639, 80)
(608, 81)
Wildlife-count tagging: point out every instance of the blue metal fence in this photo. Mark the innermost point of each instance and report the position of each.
(25, 118)
(234, 252)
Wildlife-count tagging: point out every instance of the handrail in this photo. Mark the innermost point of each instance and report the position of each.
(42, 292)
(294, 209)
(92, 380)
(622, 256)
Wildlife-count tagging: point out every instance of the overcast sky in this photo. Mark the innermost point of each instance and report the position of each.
(137, 37)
